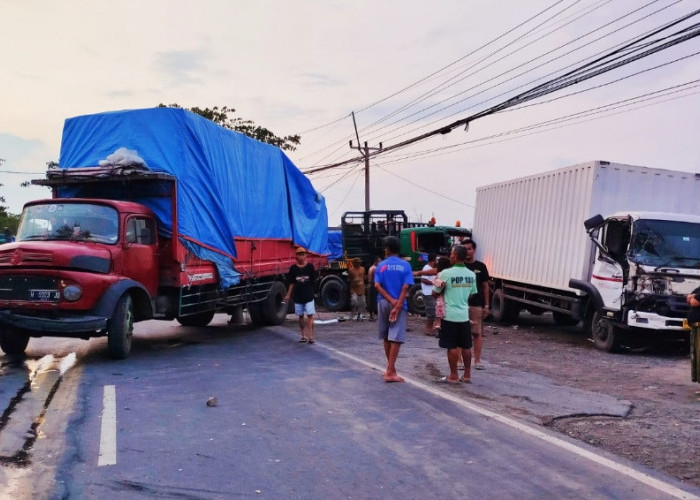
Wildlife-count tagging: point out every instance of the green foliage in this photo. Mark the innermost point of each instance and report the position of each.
(220, 116)
(7, 219)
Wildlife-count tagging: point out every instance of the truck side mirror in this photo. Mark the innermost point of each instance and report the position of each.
(593, 222)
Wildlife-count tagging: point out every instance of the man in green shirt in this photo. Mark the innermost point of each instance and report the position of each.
(457, 284)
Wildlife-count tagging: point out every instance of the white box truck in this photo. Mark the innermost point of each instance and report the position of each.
(615, 246)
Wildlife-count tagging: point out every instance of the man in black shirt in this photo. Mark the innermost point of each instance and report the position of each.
(301, 279)
(479, 303)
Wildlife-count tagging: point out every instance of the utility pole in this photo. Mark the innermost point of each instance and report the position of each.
(365, 153)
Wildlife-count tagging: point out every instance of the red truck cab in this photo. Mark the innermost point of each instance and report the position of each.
(71, 264)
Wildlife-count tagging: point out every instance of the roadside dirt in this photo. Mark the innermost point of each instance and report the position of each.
(661, 431)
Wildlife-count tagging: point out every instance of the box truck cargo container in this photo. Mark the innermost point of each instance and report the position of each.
(616, 246)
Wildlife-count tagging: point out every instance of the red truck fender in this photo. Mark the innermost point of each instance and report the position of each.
(143, 307)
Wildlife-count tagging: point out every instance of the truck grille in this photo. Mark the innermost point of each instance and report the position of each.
(21, 288)
(19, 257)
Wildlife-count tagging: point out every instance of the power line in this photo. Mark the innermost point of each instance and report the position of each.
(444, 86)
(343, 141)
(357, 176)
(574, 117)
(423, 187)
(607, 62)
(434, 90)
(522, 73)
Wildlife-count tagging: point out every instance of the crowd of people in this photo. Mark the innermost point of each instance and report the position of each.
(455, 294)
(456, 298)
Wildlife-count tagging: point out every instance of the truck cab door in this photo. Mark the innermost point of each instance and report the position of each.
(140, 261)
(608, 275)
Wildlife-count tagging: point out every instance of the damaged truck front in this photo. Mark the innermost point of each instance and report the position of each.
(645, 265)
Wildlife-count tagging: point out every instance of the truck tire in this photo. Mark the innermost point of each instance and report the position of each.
(334, 294)
(503, 310)
(199, 319)
(604, 334)
(255, 311)
(562, 319)
(121, 328)
(12, 341)
(416, 305)
(274, 311)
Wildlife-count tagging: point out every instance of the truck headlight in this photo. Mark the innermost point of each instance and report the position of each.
(72, 293)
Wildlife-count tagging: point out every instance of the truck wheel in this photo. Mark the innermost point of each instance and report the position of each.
(563, 319)
(604, 334)
(255, 311)
(502, 310)
(273, 309)
(121, 328)
(12, 341)
(199, 319)
(416, 305)
(334, 294)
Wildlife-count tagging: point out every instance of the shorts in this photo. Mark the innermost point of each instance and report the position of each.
(476, 319)
(429, 302)
(357, 301)
(308, 308)
(455, 335)
(394, 332)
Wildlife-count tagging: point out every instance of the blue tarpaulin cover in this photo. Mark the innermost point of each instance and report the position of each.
(228, 184)
(335, 244)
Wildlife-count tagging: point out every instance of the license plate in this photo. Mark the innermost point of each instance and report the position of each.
(45, 295)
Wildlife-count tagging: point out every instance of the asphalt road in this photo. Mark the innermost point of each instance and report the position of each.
(291, 421)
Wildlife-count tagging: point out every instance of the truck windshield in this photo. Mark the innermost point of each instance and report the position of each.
(661, 243)
(69, 221)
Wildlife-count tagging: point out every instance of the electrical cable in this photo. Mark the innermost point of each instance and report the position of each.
(443, 86)
(421, 186)
(522, 73)
(590, 32)
(562, 119)
(428, 77)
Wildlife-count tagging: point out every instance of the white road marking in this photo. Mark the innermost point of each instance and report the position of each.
(108, 433)
(662, 486)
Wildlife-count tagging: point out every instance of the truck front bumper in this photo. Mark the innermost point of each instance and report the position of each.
(69, 326)
(652, 321)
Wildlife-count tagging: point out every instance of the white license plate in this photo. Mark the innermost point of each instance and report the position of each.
(45, 295)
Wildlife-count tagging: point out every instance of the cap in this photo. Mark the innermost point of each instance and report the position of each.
(301, 250)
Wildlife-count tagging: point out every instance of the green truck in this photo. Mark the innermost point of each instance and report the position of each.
(362, 234)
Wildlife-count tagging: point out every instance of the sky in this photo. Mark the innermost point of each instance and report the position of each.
(402, 67)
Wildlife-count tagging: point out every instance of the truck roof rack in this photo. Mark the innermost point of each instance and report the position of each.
(83, 175)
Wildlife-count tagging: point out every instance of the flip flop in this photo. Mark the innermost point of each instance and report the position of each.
(303, 340)
(444, 380)
(465, 380)
(311, 341)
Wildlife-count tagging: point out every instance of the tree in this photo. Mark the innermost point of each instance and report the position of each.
(220, 116)
(6, 219)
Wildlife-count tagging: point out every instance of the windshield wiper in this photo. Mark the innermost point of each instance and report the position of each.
(676, 257)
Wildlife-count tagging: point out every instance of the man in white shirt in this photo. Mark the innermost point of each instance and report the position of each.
(427, 275)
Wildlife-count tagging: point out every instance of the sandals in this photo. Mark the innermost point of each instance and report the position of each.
(303, 340)
(311, 341)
